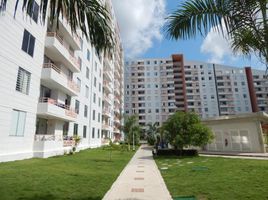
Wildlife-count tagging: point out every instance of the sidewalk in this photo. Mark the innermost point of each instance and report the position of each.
(140, 180)
(257, 156)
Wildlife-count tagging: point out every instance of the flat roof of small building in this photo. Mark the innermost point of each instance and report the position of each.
(262, 116)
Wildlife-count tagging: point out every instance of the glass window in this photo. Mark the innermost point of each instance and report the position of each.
(84, 131)
(75, 129)
(85, 111)
(28, 43)
(33, 11)
(23, 81)
(87, 73)
(77, 104)
(94, 112)
(17, 123)
(88, 55)
(93, 132)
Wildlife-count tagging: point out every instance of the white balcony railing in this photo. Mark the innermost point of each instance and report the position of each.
(68, 111)
(70, 83)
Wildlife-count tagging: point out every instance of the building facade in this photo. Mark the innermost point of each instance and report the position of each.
(155, 88)
(52, 86)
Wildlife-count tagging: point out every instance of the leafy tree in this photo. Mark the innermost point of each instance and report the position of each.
(152, 132)
(131, 128)
(245, 21)
(185, 129)
(90, 16)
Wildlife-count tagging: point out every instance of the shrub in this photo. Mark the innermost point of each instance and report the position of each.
(172, 152)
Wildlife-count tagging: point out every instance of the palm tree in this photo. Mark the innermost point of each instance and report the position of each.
(90, 16)
(152, 132)
(131, 128)
(245, 21)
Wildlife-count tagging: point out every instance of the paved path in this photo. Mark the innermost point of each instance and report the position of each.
(140, 180)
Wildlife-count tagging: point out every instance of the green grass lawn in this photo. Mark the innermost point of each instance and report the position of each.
(215, 178)
(87, 175)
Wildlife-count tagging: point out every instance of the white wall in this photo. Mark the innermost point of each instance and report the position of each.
(11, 58)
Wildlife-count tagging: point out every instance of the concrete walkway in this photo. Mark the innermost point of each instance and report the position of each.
(140, 180)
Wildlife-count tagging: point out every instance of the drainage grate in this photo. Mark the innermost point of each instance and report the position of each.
(140, 171)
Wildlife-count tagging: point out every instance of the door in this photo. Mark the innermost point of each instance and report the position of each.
(245, 141)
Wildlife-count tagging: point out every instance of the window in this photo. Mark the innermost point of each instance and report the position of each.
(84, 131)
(17, 123)
(87, 73)
(28, 43)
(23, 81)
(88, 55)
(95, 82)
(94, 112)
(98, 117)
(94, 98)
(75, 129)
(99, 101)
(98, 133)
(80, 63)
(33, 11)
(99, 87)
(93, 132)
(77, 104)
(87, 91)
(96, 66)
(85, 111)
(79, 83)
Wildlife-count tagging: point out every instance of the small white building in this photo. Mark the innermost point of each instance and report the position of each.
(238, 133)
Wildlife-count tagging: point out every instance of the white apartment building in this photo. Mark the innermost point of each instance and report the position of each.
(113, 80)
(51, 87)
(155, 88)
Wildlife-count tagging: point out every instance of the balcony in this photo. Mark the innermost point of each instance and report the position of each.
(116, 120)
(116, 130)
(65, 29)
(117, 110)
(108, 75)
(107, 99)
(53, 78)
(59, 51)
(48, 145)
(117, 74)
(106, 126)
(106, 112)
(51, 109)
(107, 86)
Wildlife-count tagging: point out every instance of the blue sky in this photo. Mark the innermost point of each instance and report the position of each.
(141, 25)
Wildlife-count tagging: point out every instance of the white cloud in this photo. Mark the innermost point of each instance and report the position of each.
(219, 50)
(217, 46)
(140, 23)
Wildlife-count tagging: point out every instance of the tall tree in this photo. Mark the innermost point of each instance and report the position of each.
(245, 21)
(152, 130)
(90, 16)
(131, 129)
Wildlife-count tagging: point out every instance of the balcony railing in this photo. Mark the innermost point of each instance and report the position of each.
(66, 46)
(68, 111)
(71, 84)
(47, 137)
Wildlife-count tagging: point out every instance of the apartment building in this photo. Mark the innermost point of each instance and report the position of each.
(52, 86)
(113, 89)
(155, 88)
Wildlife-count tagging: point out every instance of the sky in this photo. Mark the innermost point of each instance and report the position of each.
(143, 36)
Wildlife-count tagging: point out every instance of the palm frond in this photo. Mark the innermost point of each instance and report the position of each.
(196, 16)
(90, 16)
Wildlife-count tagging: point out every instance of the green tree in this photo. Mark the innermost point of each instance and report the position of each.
(131, 128)
(185, 129)
(90, 16)
(245, 21)
(152, 132)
